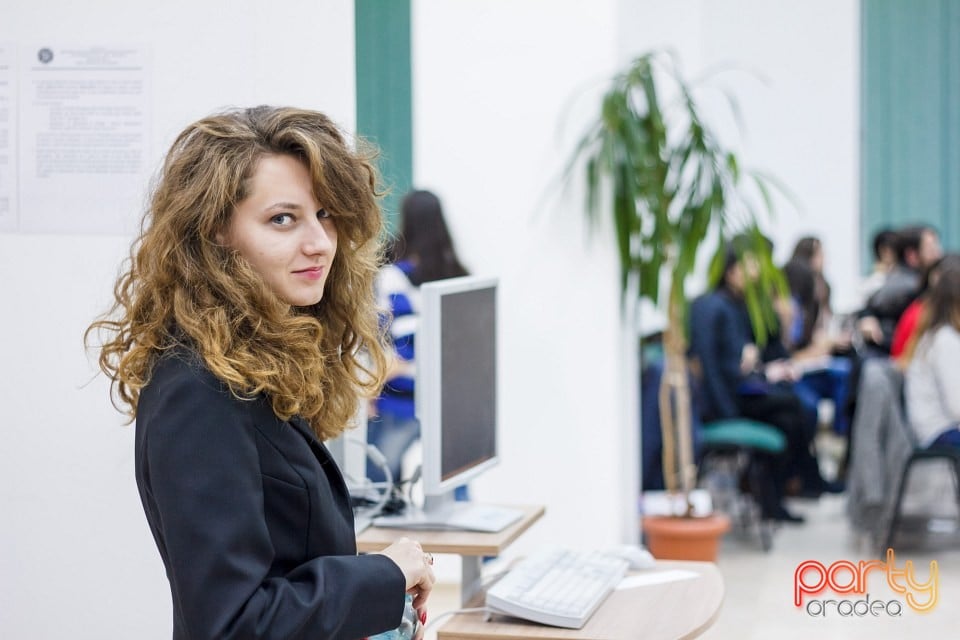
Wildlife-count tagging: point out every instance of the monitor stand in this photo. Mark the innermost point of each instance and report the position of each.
(443, 513)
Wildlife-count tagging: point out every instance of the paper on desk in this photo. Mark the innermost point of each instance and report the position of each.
(655, 577)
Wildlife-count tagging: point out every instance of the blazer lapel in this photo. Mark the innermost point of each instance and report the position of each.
(323, 455)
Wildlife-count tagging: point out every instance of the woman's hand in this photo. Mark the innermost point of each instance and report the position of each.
(749, 358)
(869, 328)
(780, 371)
(417, 570)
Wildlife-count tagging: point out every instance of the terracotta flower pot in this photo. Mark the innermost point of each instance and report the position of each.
(674, 538)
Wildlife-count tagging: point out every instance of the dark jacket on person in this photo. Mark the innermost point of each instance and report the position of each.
(891, 300)
(252, 517)
(719, 330)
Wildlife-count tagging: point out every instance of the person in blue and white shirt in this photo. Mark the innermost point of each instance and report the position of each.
(422, 252)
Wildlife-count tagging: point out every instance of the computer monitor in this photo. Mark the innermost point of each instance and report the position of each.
(456, 403)
(347, 450)
(456, 385)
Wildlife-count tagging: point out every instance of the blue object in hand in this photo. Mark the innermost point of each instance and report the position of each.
(408, 625)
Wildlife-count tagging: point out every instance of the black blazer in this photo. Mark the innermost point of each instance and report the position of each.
(252, 517)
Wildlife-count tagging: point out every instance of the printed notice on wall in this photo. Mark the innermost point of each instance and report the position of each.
(8, 130)
(83, 138)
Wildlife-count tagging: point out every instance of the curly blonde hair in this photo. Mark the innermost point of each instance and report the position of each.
(182, 287)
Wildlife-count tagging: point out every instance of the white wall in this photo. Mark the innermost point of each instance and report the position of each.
(493, 79)
(803, 126)
(76, 556)
(794, 69)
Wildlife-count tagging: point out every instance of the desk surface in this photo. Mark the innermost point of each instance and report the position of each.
(666, 611)
(464, 543)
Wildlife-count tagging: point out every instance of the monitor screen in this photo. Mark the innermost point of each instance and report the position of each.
(457, 381)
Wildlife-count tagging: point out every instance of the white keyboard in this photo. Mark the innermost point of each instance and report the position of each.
(557, 587)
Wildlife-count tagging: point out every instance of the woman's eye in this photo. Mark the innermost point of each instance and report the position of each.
(323, 214)
(282, 219)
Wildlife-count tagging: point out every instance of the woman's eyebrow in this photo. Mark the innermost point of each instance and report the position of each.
(284, 205)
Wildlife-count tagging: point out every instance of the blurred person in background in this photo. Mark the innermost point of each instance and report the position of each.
(884, 260)
(932, 377)
(815, 345)
(423, 251)
(918, 248)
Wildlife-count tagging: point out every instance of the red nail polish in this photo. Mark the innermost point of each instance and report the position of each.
(423, 617)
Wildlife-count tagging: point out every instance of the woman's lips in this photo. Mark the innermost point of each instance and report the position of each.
(313, 273)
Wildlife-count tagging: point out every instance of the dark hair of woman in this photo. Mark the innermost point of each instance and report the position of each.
(930, 274)
(805, 249)
(818, 301)
(425, 241)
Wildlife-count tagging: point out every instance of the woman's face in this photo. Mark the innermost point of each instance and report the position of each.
(283, 232)
(816, 260)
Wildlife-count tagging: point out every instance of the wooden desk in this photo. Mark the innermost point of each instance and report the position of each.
(471, 546)
(666, 611)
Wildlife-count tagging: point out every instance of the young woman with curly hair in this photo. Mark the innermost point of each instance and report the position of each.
(244, 333)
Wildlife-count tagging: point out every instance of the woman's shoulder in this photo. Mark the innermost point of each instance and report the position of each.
(395, 292)
(939, 345)
(945, 338)
(184, 399)
(393, 277)
(182, 367)
(179, 360)
(717, 303)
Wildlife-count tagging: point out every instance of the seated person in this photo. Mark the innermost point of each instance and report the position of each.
(906, 328)
(884, 260)
(824, 371)
(735, 382)
(933, 371)
(918, 248)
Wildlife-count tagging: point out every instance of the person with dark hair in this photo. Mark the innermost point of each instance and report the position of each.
(423, 252)
(811, 343)
(811, 291)
(884, 260)
(918, 247)
(735, 382)
(425, 244)
(885, 249)
(933, 362)
(244, 334)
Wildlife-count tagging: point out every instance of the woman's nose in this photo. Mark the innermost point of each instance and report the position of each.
(320, 237)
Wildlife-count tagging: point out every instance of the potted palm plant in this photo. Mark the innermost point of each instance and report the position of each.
(660, 175)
